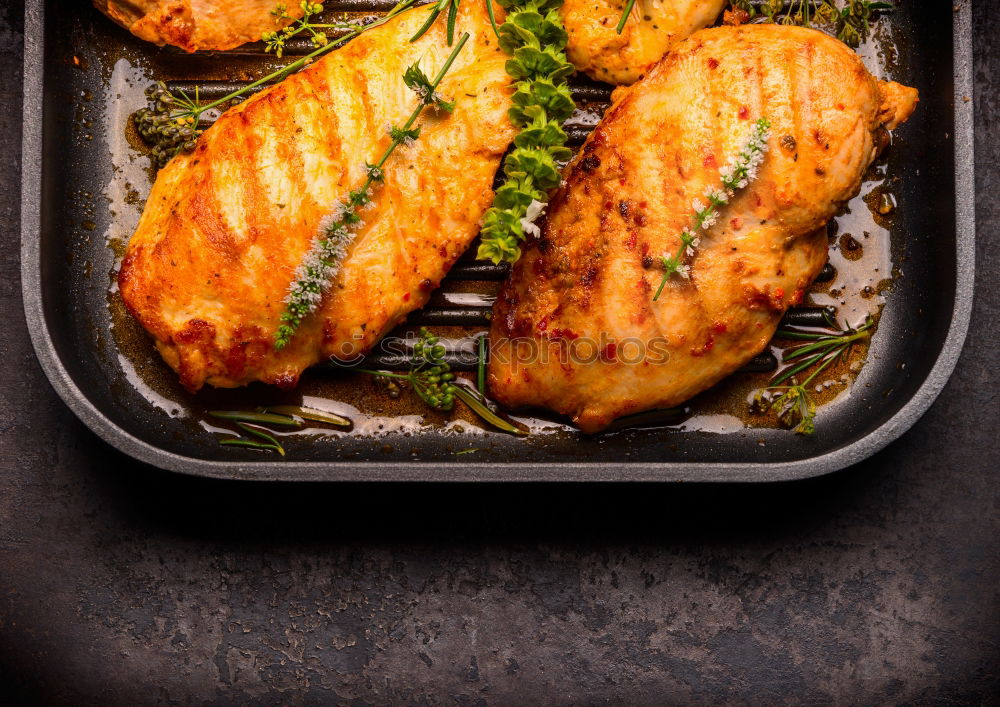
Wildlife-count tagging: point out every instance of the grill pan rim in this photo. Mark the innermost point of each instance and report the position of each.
(858, 450)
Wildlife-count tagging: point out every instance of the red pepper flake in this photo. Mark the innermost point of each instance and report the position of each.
(709, 343)
(744, 113)
(719, 327)
(406, 297)
(736, 223)
(709, 162)
(610, 351)
(713, 63)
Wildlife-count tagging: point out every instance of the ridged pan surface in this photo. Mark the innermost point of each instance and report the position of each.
(86, 175)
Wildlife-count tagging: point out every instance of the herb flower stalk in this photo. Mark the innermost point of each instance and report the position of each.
(324, 259)
(736, 175)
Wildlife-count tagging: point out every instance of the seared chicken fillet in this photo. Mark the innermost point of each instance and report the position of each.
(594, 45)
(652, 28)
(196, 24)
(575, 328)
(226, 225)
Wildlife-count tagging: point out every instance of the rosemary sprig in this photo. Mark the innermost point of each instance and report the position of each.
(850, 20)
(252, 423)
(534, 37)
(323, 261)
(741, 170)
(794, 405)
(263, 434)
(275, 41)
(439, 7)
(254, 430)
(169, 115)
(252, 444)
(477, 403)
(261, 417)
(310, 414)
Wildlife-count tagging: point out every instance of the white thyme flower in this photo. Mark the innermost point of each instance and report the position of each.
(535, 209)
(328, 224)
(340, 210)
(737, 174)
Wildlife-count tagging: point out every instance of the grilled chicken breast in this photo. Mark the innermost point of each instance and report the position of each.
(196, 24)
(652, 28)
(575, 328)
(226, 225)
(594, 45)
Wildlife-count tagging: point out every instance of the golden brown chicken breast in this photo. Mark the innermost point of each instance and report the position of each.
(226, 225)
(196, 24)
(575, 328)
(653, 27)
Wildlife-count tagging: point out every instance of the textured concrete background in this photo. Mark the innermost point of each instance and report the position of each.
(120, 584)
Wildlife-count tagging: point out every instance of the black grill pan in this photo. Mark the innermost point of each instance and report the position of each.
(81, 188)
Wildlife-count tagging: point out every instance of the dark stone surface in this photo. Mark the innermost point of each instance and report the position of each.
(120, 584)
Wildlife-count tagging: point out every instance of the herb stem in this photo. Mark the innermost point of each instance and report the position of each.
(420, 107)
(325, 257)
(481, 366)
(625, 13)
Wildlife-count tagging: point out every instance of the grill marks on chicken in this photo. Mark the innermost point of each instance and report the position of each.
(196, 24)
(226, 225)
(653, 27)
(586, 286)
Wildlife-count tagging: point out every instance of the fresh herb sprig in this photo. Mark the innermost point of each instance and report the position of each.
(850, 20)
(430, 375)
(431, 379)
(793, 403)
(534, 37)
(284, 416)
(169, 124)
(741, 170)
(323, 261)
(275, 41)
(440, 6)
